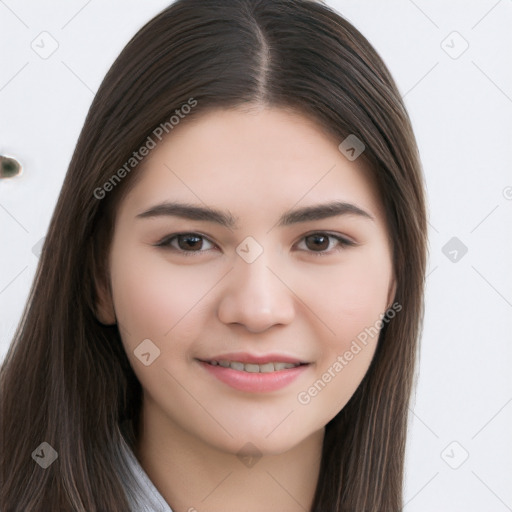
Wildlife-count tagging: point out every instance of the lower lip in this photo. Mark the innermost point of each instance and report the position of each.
(255, 382)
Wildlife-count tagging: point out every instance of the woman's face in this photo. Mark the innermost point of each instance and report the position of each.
(261, 280)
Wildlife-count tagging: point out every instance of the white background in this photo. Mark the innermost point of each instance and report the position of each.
(461, 109)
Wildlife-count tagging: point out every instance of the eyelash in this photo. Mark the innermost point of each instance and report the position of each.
(166, 241)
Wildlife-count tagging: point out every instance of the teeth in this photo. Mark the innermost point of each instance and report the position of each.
(266, 368)
(282, 366)
(254, 368)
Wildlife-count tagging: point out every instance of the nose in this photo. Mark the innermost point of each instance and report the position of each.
(256, 296)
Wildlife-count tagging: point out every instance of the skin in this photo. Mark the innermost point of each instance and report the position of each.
(254, 165)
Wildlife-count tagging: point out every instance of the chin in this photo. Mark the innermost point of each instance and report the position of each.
(259, 443)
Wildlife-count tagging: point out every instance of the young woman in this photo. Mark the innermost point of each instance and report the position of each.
(228, 304)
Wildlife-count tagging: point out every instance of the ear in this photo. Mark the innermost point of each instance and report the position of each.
(392, 292)
(105, 312)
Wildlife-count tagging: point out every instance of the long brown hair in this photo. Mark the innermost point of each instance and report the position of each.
(66, 379)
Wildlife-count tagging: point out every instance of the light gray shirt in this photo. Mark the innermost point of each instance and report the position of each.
(149, 500)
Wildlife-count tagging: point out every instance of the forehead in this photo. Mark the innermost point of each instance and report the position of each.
(245, 157)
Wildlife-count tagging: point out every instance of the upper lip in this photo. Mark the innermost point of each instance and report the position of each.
(244, 357)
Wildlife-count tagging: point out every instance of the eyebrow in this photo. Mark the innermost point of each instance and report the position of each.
(205, 213)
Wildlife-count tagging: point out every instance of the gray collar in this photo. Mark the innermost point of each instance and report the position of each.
(146, 497)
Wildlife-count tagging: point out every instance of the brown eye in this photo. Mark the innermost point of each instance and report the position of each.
(193, 243)
(189, 242)
(320, 243)
(317, 242)
(185, 243)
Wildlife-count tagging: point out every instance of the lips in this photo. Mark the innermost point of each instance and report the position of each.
(269, 367)
(244, 357)
(254, 373)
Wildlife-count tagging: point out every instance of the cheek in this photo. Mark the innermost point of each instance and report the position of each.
(155, 299)
(349, 300)
(343, 358)
(362, 296)
(349, 296)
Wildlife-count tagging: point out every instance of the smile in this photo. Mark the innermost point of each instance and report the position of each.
(254, 377)
(254, 367)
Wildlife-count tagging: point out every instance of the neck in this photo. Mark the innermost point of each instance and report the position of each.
(192, 475)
